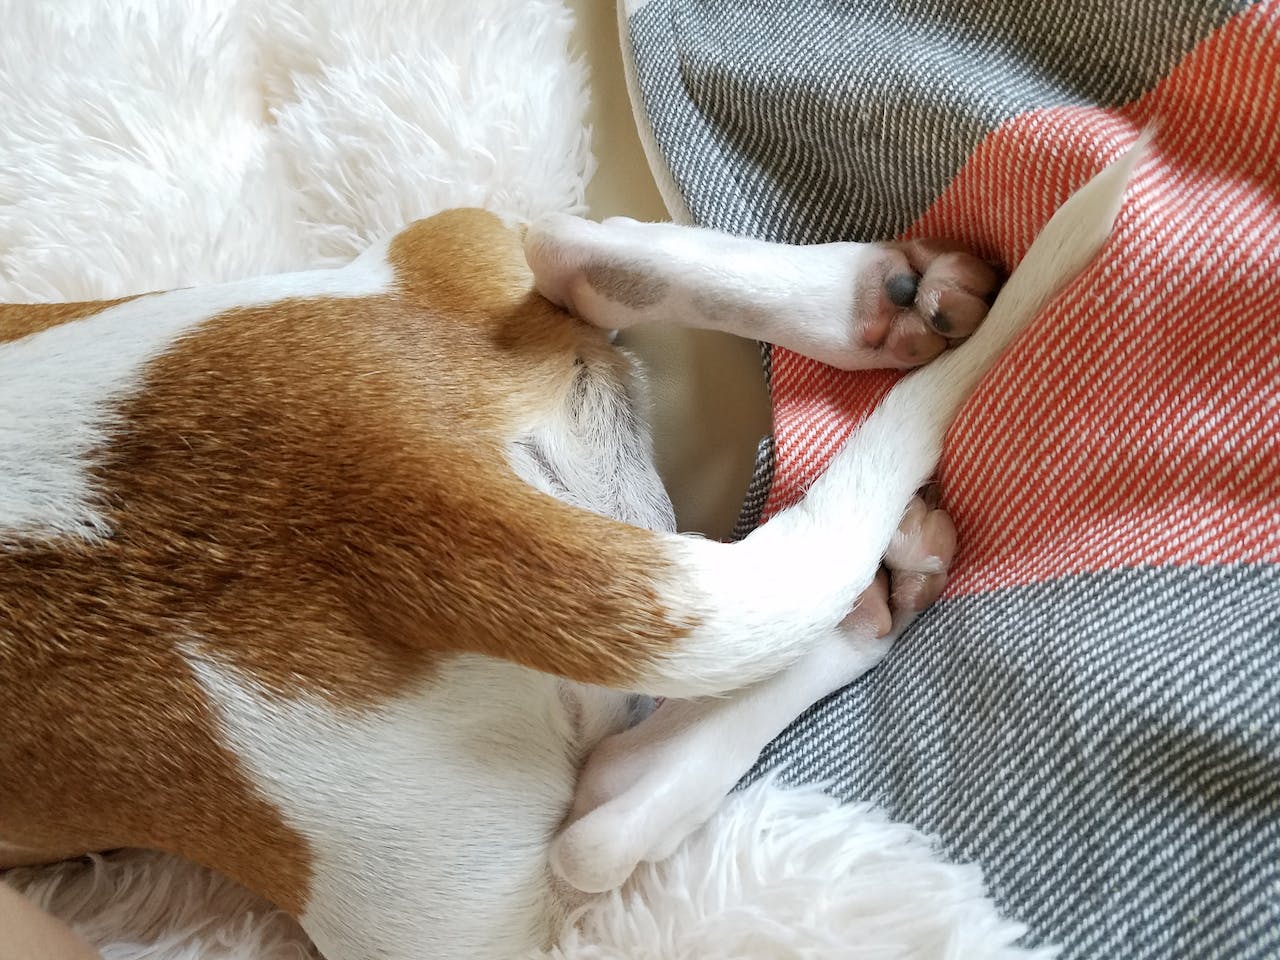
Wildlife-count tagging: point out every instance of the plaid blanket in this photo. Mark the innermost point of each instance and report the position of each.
(1092, 712)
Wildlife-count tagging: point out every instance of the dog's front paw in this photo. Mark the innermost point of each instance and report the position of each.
(925, 296)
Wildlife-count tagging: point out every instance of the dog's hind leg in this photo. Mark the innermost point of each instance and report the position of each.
(645, 789)
(852, 305)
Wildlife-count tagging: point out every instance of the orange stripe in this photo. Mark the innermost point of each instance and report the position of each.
(1139, 423)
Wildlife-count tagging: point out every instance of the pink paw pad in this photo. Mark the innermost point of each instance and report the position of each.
(914, 571)
(933, 294)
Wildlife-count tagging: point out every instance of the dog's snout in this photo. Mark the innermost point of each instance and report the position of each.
(901, 289)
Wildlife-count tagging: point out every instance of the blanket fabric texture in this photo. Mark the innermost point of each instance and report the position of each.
(1092, 712)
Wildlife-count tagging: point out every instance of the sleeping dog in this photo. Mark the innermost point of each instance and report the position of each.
(342, 582)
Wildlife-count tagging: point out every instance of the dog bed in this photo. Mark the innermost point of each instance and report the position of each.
(1092, 712)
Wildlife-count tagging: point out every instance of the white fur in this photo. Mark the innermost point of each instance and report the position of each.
(777, 872)
(805, 298)
(139, 905)
(180, 142)
(60, 388)
(595, 450)
(660, 780)
(427, 816)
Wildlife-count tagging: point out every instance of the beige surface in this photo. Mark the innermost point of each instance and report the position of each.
(710, 407)
(31, 934)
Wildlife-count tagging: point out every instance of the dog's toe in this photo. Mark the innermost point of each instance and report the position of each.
(919, 557)
(911, 341)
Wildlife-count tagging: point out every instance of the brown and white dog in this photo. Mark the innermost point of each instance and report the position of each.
(333, 581)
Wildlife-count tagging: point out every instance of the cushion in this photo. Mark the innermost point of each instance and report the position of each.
(1092, 711)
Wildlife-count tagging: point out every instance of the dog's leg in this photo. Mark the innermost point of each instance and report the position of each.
(614, 823)
(645, 789)
(759, 605)
(852, 305)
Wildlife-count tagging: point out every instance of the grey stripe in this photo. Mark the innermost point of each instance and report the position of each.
(808, 123)
(762, 473)
(1106, 746)
(757, 492)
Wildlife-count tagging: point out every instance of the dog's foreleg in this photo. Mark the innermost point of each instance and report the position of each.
(805, 568)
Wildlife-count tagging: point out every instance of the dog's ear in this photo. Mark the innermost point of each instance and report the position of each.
(18, 320)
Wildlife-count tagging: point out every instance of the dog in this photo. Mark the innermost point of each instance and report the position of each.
(353, 584)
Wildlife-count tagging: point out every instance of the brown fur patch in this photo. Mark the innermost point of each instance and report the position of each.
(107, 743)
(19, 320)
(315, 492)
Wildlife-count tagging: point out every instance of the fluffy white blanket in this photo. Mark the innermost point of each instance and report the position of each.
(146, 145)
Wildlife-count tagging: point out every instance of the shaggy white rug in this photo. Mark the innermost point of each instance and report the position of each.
(778, 874)
(146, 145)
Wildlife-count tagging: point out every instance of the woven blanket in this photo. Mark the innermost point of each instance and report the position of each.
(1092, 711)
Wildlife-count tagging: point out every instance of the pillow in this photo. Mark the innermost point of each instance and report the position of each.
(1092, 711)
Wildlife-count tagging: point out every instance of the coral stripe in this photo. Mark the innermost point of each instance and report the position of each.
(1138, 422)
